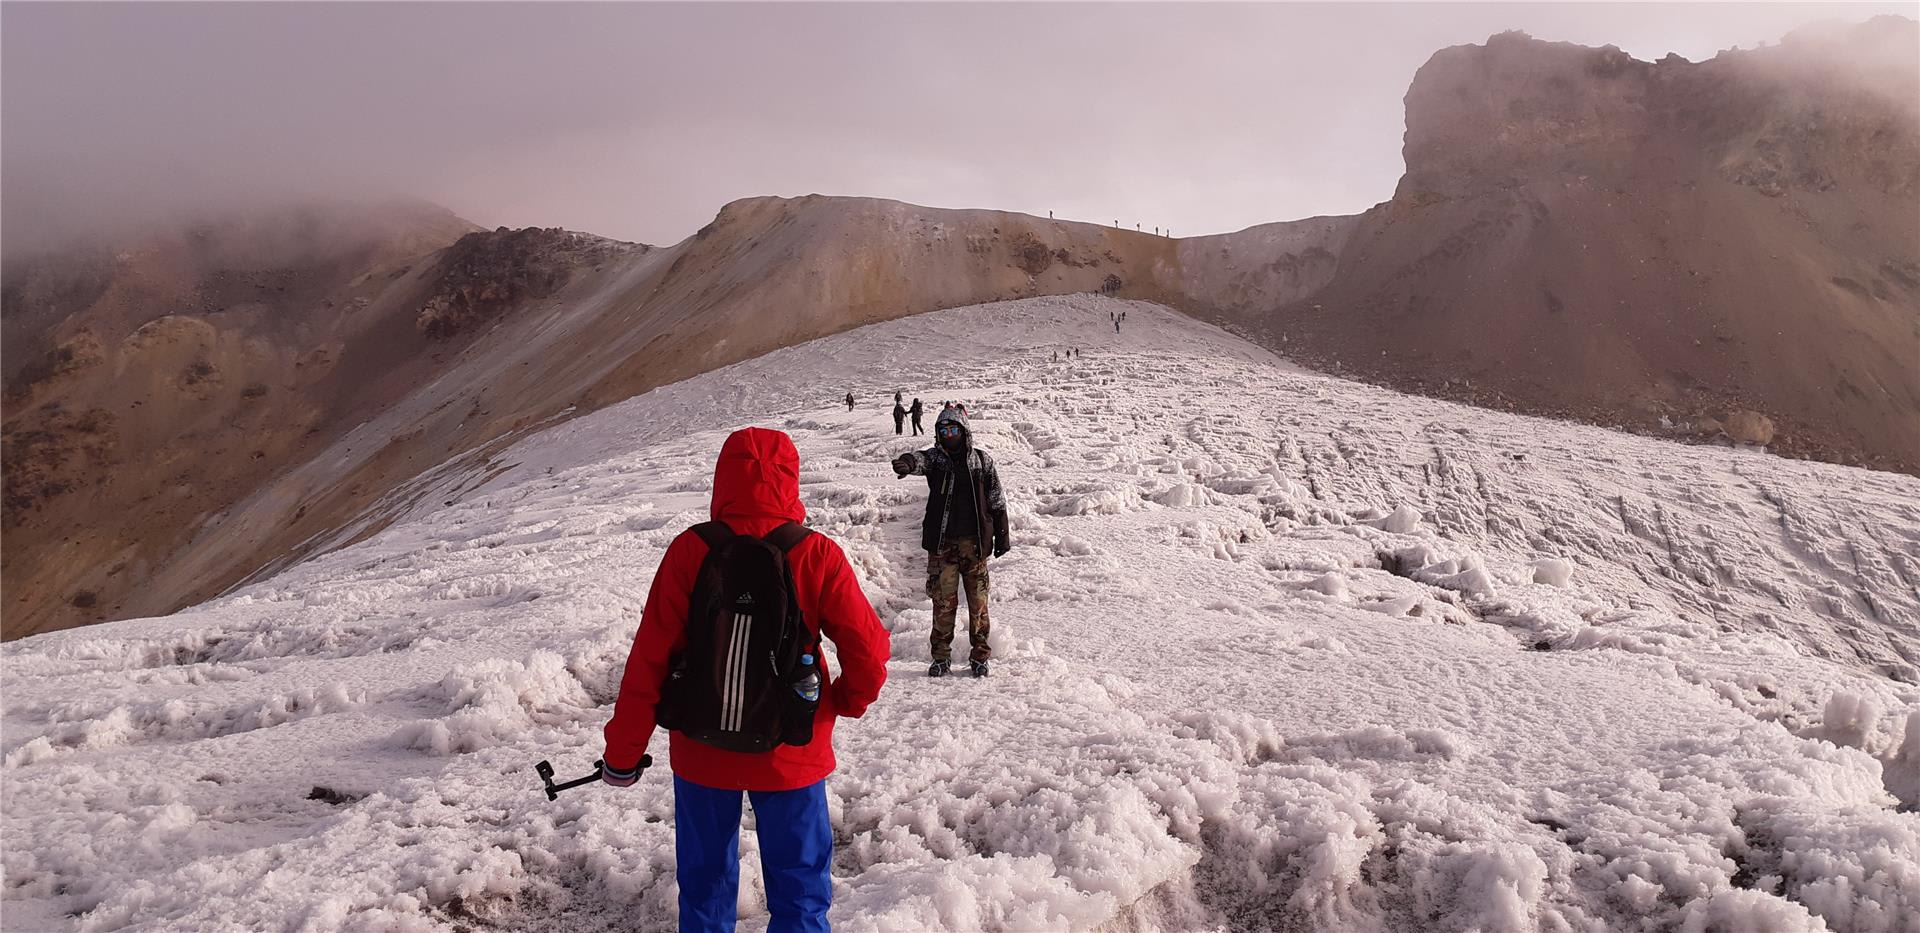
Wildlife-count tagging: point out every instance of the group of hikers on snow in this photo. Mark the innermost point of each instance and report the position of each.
(900, 413)
(728, 660)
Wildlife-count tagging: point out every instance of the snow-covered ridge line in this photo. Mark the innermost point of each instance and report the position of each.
(1276, 650)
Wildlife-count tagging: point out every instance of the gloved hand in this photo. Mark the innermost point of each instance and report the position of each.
(618, 778)
(903, 464)
(1001, 546)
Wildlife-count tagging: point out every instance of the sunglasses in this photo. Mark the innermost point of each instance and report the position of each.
(952, 429)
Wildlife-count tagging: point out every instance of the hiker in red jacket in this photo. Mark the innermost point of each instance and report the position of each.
(756, 489)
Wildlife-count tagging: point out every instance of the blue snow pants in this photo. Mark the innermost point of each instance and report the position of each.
(796, 856)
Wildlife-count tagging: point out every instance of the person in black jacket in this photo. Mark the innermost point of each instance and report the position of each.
(899, 417)
(966, 514)
(915, 412)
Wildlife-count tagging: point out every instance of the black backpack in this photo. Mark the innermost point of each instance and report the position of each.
(738, 683)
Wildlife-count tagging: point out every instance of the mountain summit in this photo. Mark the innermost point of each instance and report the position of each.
(1583, 234)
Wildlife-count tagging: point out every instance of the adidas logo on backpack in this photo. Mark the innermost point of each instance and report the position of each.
(734, 686)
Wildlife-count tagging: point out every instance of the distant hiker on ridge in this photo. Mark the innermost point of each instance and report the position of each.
(766, 729)
(849, 401)
(899, 416)
(965, 510)
(915, 412)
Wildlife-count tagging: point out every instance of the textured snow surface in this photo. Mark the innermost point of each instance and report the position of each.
(1275, 651)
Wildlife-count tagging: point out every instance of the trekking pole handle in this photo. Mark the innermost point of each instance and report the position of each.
(553, 790)
(545, 770)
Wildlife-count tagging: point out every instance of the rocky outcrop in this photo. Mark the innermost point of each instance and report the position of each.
(1819, 116)
(1748, 427)
(485, 274)
(1239, 279)
(1581, 234)
(1828, 106)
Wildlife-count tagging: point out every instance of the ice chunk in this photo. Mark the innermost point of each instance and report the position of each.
(1849, 718)
(1901, 767)
(1403, 520)
(1473, 581)
(1733, 910)
(1183, 496)
(1326, 643)
(1553, 571)
(1332, 584)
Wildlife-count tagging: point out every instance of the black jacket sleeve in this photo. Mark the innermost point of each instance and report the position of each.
(915, 461)
(997, 504)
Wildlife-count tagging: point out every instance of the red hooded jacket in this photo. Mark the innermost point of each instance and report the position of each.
(756, 488)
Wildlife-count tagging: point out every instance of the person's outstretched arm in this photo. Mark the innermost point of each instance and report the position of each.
(847, 618)
(661, 626)
(911, 463)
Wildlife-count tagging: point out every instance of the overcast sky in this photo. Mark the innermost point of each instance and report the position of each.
(639, 121)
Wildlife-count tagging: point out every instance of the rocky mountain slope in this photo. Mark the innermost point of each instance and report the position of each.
(1730, 245)
(152, 386)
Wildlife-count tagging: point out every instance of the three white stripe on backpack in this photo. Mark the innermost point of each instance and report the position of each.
(734, 681)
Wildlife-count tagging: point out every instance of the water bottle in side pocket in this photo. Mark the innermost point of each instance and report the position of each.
(796, 727)
(808, 684)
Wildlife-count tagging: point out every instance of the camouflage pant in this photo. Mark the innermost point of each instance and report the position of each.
(959, 559)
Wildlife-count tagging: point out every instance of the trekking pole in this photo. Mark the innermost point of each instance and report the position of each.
(545, 770)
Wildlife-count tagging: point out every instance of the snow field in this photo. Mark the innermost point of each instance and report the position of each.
(1274, 651)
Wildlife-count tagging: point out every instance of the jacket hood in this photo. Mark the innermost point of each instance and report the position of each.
(956, 416)
(757, 476)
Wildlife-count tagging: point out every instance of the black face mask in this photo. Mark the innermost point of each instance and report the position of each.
(954, 440)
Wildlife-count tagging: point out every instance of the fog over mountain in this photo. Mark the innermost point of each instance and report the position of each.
(635, 121)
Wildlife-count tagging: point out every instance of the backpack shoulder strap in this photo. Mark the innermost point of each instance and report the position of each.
(714, 533)
(787, 536)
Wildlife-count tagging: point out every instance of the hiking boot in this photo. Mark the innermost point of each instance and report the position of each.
(939, 669)
(979, 668)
